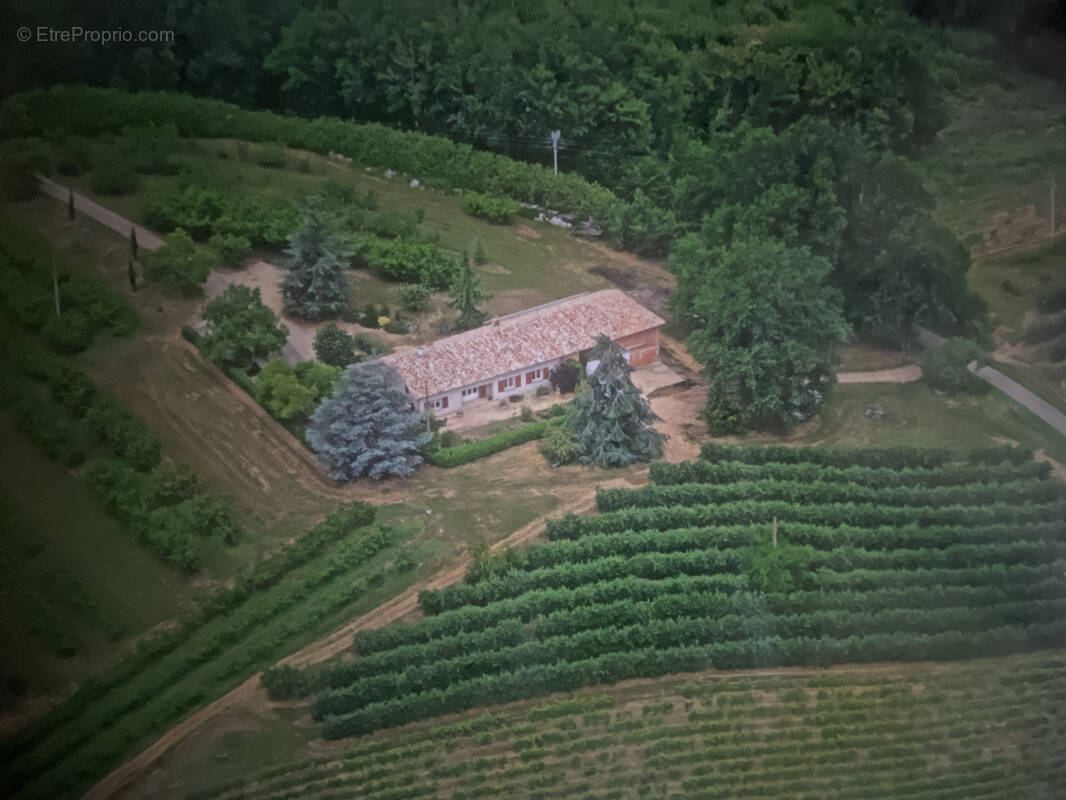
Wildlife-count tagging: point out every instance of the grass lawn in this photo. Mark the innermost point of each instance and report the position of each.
(69, 572)
(916, 417)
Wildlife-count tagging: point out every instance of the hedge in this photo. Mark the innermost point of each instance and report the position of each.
(892, 457)
(435, 160)
(1016, 492)
(448, 457)
(866, 515)
(987, 467)
(126, 435)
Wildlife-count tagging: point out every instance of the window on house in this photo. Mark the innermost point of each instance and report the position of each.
(472, 392)
(440, 402)
(535, 375)
(510, 383)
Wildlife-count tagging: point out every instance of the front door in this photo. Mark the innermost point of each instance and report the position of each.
(483, 391)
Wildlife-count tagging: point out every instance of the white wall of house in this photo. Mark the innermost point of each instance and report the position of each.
(456, 398)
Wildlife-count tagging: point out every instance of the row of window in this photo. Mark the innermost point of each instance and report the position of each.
(514, 382)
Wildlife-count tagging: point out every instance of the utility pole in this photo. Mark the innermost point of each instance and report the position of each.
(55, 282)
(555, 149)
(1052, 208)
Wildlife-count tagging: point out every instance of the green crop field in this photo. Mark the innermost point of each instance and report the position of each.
(990, 728)
(754, 557)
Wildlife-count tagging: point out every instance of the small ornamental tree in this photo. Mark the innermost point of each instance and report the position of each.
(613, 420)
(315, 287)
(334, 346)
(179, 263)
(467, 295)
(241, 329)
(368, 427)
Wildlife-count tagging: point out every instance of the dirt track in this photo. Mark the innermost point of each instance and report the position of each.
(249, 693)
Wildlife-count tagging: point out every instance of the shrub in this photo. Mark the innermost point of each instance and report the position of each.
(232, 248)
(408, 260)
(565, 377)
(491, 207)
(288, 392)
(560, 445)
(125, 434)
(369, 344)
(1046, 329)
(415, 297)
(543, 391)
(241, 328)
(946, 368)
(334, 346)
(395, 325)
(49, 429)
(19, 160)
(113, 175)
(526, 414)
(271, 155)
(1051, 300)
(70, 332)
(189, 334)
(179, 263)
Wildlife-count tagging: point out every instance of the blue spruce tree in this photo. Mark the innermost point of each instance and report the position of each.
(368, 427)
(314, 286)
(612, 419)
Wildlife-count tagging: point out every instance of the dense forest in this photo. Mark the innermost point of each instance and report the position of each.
(765, 148)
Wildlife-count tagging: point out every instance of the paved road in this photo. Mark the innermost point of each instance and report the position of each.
(1014, 390)
(145, 238)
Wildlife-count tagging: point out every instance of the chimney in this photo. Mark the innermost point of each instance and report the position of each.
(420, 352)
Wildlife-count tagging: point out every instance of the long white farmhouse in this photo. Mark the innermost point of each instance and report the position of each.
(517, 352)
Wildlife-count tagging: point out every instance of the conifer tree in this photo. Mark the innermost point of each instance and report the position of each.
(467, 295)
(70, 204)
(315, 287)
(480, 256)
(368, 427)
(133, 243)
(612, 419)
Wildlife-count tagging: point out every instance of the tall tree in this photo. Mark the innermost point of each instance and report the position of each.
(766, 327)
(315, 287)
(368, 427)
(613, 420)
(467, 295)
(241, 328)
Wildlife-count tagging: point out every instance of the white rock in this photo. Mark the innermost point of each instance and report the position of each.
(390, 174)
(414, 183)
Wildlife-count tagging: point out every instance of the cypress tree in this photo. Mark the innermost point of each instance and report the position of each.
(70, 204)
(133, 243)
(131, 273)
(314, 286)
(467, 295)
(480, 256)
(612, 419)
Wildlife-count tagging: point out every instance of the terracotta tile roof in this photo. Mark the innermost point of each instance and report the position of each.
(521, 340)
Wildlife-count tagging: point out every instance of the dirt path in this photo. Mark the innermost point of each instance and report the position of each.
(249, 693)
(145, 238)
(907, 374)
